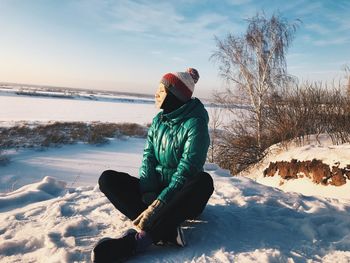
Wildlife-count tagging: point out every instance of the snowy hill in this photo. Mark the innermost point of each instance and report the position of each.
(324, 150)
(47, 220)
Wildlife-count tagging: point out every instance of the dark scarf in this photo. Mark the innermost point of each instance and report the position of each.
(171, 103)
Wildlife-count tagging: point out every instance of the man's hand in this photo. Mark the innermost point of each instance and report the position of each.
(145, 219)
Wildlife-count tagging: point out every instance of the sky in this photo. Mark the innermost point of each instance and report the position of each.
(129, 45)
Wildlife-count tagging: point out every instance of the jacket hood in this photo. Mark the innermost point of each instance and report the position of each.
(194, 108)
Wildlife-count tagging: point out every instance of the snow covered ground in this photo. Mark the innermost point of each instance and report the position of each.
(24, 108)
(18, 108)
(56, 220)
(51, 209)
(325, 151)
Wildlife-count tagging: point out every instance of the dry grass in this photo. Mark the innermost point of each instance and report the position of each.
(59, 133)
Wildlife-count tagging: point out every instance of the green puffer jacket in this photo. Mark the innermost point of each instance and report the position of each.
(176, 149)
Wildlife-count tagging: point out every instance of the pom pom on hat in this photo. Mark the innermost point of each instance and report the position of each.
(181, 84)
(194, 74)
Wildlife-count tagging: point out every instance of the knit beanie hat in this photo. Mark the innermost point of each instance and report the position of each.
(181, 84)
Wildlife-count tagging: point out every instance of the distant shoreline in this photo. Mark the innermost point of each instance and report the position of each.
(16, 89)
(10, 85)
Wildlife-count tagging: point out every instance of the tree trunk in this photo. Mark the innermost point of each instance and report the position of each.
(259, 121)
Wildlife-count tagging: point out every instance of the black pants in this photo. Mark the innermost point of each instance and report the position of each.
(123, 191)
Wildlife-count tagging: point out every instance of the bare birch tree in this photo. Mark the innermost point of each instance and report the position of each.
(214, 125)
(255, 63)
(347, 78)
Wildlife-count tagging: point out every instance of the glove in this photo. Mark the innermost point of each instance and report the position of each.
(145, 220)
(149, 197)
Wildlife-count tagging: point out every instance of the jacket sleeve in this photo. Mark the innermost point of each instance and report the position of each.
(148, 176)
(192, 160)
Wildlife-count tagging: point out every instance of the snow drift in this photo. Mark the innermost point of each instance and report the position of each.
(46, 189)
(243, 222)
(325, 151)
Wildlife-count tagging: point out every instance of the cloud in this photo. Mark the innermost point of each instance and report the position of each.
(178, 59)
(158, 20)
(318, 28)
(156, 52)
(132, 16)
(332, 17)
(295, 55)
(296, 8)
(341, 20)
(308, 8)
(238, 2)
(332, 41)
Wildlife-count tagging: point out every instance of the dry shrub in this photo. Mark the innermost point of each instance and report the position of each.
(238, 148)
(132, 129)
(99, 132)
(297, 112)
(55, 138)
(58, 133)
(235, 146)
(293, 113)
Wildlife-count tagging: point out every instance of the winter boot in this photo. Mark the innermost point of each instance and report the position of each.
(114, 250)
(176, 238)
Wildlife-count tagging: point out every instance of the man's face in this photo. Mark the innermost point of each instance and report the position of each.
(160, 95)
